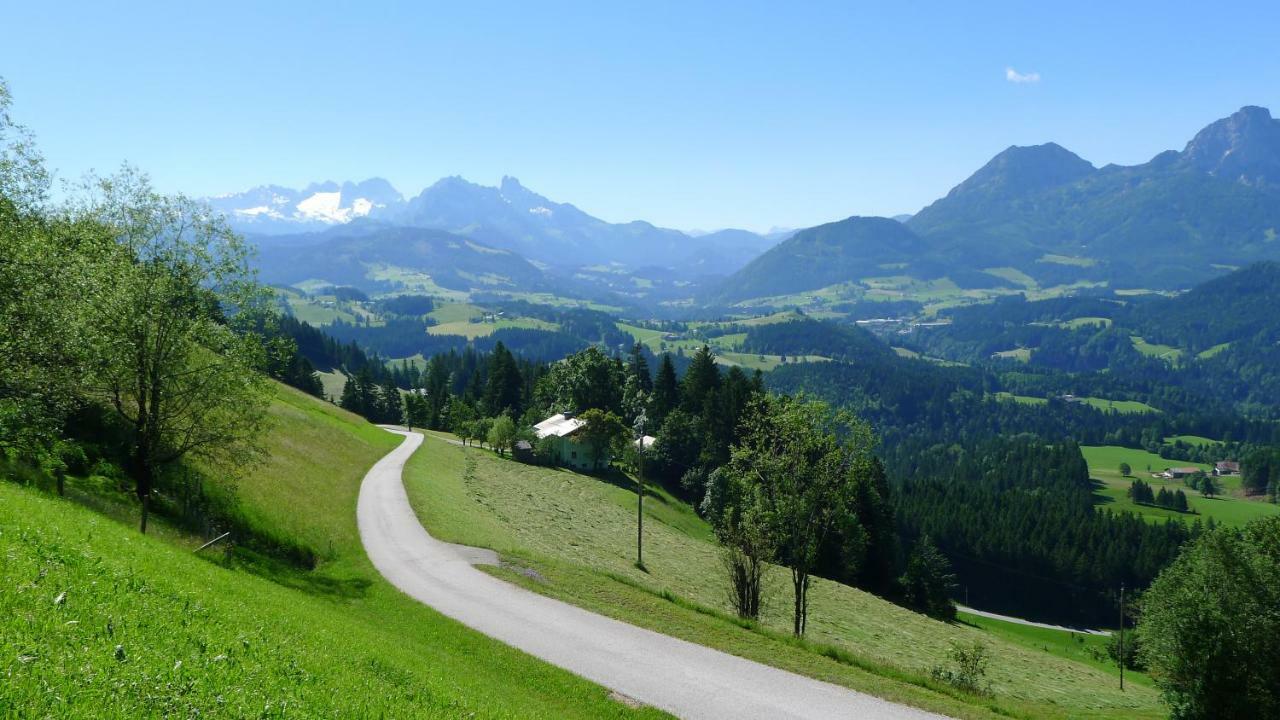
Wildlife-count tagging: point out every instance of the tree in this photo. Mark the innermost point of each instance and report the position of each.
(1209, 629)
(928, 581)
(174, 366)
(604, 433)
(1125, 470)
(502, 435)
(700, 380)
(801, 463)
(585, 380)
(666, 392)
(1209, 486)
(505, 387)
(744, 535)
(48, 276)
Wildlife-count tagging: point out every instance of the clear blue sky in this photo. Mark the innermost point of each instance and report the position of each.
(691, 115)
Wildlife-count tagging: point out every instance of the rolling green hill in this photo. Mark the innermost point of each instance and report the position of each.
(825, 255)
(99, 621)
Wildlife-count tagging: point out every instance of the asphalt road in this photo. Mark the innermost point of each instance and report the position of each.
(687, 680)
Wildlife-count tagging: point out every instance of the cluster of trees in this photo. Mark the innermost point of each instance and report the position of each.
(1209, 630)
(1017, 515)
(128, 309)
(1261, 473)
(1140, 491)
(797, 490)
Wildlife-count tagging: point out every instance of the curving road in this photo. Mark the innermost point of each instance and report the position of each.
(687, 680)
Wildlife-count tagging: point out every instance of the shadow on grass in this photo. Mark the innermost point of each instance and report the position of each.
(312, 582)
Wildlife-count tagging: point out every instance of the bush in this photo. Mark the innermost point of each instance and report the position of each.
(969, 668)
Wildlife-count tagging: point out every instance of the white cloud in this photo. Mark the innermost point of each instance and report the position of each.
(1018, 78)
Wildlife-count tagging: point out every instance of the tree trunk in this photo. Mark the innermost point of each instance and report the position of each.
(800, 583)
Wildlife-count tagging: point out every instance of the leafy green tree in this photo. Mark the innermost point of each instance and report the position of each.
(502, 435)
(1210, 630)
(1209, 486)
(928, 581)
(1125, 470)
(585, 380)
(802, 463)
(48, 275)
(604, 433)
(174, 368)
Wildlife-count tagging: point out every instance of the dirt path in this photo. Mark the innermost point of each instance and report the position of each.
(688, 680)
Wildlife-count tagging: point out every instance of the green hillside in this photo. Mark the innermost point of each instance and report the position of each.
(825, 255)
(99, 621)
(572, 536)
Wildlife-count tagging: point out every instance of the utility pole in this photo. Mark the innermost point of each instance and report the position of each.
(1122, 636)
(641, 419)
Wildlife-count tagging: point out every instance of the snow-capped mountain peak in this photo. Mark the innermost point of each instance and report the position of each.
(272, 208)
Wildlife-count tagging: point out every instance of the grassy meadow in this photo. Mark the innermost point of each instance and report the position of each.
(576, 534)
(1230, 508)
(99, 621)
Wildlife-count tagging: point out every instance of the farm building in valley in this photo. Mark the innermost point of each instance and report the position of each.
(1226, 467)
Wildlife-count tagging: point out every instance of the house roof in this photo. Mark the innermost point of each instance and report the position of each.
(558, 425)
(1233, 465)
(1187, 470)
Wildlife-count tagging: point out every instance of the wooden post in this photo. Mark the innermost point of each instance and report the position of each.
(1122, 637)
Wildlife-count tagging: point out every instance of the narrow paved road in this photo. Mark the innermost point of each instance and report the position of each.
(688, 680)
(1031, 623)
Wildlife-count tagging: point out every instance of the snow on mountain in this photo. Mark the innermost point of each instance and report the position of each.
(275, 209)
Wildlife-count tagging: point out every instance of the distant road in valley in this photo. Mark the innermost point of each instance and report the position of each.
(687, 680)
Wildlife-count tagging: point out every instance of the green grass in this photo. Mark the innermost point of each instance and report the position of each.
(1019, 354)
(333, 382)
(200, 639)
(1077, 323)
(1167, 353)
(577, 533)
(1079, 647)
(1117, 406)
(1068, 260)
(1193, 440)
(1023, 399)
(473, 330)
(1229, 509)
(311, 311)
(1216, 349)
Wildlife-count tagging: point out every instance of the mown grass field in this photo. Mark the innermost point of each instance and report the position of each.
(1167, 353)
(472, 330)
(199, 639)
(578, 534)
(1230, 508)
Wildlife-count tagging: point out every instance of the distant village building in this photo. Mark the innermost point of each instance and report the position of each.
(1182, 472)
(1226, 467)
(569, 450)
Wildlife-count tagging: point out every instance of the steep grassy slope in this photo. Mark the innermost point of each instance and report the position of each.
(195, 638)
(574, 536)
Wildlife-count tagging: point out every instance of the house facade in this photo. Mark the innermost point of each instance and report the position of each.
(570, 450)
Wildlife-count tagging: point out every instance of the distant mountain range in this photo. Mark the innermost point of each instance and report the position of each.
(1042, 210)
(508, 217)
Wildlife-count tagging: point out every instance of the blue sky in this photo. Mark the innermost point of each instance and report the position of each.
(690, 115)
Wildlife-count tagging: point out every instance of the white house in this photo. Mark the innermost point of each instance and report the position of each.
(570, 451)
